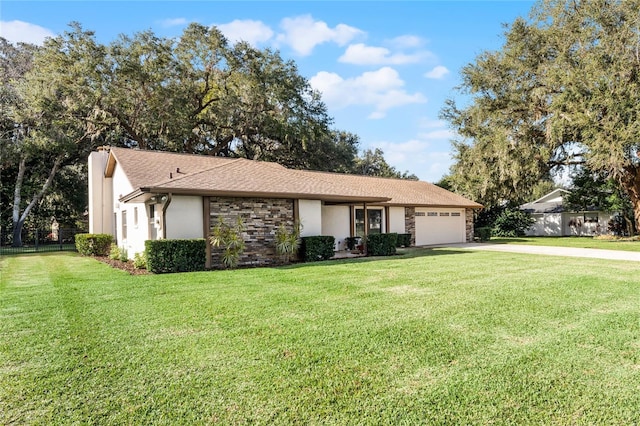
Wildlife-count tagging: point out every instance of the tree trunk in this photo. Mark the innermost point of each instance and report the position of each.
(19, 219)
(630, 182)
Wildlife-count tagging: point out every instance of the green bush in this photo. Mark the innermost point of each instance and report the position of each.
(382, 244)
(176, 255)
(483, 233)
(93, 244)
(229, 239)
(114, 252)
(404, 240)
(318, 247)
(512, 223)
(140, 260)
(288, 242)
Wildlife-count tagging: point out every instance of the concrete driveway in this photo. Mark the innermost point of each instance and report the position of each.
(552, 251)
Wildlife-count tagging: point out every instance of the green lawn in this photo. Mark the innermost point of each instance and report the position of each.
(430, 337)
(579, 242)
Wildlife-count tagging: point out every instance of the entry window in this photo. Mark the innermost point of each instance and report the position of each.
(374, 225)
(124, 224)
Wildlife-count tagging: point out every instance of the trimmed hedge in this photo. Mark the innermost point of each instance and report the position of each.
(382, 244)
(404, 240)
(318, 247)
(483, 233)
(176, 255)
(93, 244)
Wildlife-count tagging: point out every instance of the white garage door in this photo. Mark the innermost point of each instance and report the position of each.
(439, 226)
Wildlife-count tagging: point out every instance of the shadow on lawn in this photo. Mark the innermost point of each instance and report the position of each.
(408, 253)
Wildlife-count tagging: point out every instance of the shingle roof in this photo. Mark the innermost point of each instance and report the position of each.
(157, 172)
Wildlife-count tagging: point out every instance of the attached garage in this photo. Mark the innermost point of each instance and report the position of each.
(440, 226)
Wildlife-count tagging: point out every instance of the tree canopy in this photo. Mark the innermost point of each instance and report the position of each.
(563, 90)
(195, 93)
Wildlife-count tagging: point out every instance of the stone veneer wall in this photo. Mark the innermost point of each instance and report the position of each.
(469, 223)
(261, 216)
(410, 223)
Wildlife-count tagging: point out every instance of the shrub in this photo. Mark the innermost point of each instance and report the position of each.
(229, 238)
(140, 260)
(288, 242)
(404, 240)
(93, 244)
(124, 255)
(114, 252)
(512, 223)
(483, 233)
(175, 255)
(318, 247)
(382, 244)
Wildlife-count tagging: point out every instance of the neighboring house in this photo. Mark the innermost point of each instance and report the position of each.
(553, 219)
(140, 195)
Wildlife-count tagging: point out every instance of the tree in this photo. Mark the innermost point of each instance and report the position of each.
(590, 190)
(564, 89)
(53, 117)
(372, 163)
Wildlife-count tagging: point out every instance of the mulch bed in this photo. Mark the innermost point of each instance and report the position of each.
(125, 266)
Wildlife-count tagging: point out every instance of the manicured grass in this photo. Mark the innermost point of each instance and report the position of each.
(578, 242)
(429, 337)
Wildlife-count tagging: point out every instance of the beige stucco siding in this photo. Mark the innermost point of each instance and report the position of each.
(310, 214)
(396, 220)
(184, 218)
(335, 221)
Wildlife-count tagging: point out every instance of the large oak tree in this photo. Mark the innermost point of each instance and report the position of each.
(564, 89)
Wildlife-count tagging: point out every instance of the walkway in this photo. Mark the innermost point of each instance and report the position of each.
(551, 251)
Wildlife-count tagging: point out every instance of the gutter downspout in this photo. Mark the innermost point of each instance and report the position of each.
(165, 206)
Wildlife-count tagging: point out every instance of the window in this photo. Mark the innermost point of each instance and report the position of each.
(124, 224)
(419, 213)
(135, 217)
(432, 214)
(591, 218)
(374, 217)
(457, 214)
(444, 213)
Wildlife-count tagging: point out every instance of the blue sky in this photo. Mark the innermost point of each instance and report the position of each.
(385, 68)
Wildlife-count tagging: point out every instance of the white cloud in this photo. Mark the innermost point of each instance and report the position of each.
(19, 31)
(406, 41)
(417, 156)
(303, 34)
(381, 89)
(361, 54)
(253, 32)
(437, 73)
(442, 134)
(173, 22)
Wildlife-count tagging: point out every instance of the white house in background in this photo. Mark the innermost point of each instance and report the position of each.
(552, 219)
(138, 195)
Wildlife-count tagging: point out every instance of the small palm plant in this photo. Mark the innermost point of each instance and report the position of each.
(288, 241)
(229, 238)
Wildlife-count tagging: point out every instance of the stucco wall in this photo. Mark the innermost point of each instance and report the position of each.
(100, 195)
(184, 217)
(548, 224)
(261, 216)
(397, 220)
(310, 213)
(335, 221)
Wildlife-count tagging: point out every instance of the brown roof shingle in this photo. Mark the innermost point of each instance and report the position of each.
(157, 172)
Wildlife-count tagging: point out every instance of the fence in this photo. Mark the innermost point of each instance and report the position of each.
(41, 240)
